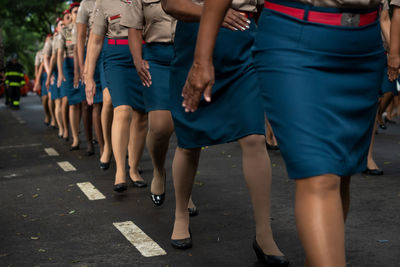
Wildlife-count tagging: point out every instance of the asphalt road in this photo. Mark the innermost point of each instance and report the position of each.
(47, 220)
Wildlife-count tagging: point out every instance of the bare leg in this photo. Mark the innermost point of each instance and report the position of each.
(58, 115)
(87, 124)
(383, 103)
(74, 111)
(161, 128)
(120, 139)
(345, 195)
(257, 172)
(371, 164)
(51, 110)
(64, 113)
(46, 110)
(96, 116)
(184, 169)
(320, 221)
(106, 122)
(137, 142)
(270, 137)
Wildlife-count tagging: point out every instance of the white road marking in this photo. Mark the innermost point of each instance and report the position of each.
(19, 119)
(19, 146)
(51, 152)
(66, 166)
(11, 176)
(90, 191)
(142, 242)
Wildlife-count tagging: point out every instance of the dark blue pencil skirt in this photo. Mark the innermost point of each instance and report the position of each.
(387, 86)
(75, 95)
(121, 77)
(54, 90)
(236, 109)
(320, 88)
(159, 56)
(100, 66)
(43, 79)
(98, 97)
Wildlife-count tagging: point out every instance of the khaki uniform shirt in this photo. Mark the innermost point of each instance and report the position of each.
(39, 58)
(342, 3)
(85, 13)
(107, 16)
(148, 15)
(395, 3)
(64, 40)
(53, 43)
(241, 5)
(48, 47)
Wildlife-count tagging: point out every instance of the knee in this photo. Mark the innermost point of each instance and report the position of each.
(123, 113)
(160, 131)
(321, 186)
(253, 141)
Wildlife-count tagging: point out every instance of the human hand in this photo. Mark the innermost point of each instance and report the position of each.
(90, 90)
(142, 68)
(235, 20)
(393, 66)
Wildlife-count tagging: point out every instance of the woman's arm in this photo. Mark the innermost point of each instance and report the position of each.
(186, 10)
(80, 45)
(50, 71)
(94, 47)
(201, 76)
(385, 25)
(142, 66)
(394, 54)
(38, 73)
(60, 60)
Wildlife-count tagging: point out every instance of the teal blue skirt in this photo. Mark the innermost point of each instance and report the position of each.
(320, 88)
(54, 90)
(159, 56)
(236, 109)
(75, 95)
(121, 77)
(43, 89)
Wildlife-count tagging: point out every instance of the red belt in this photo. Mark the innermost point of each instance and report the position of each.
(337, 19)
(249, 15)
(118, 41)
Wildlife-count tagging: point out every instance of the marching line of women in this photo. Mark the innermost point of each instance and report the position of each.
(136, 71)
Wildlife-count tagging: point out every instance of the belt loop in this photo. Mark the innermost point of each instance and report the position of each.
(306, 9)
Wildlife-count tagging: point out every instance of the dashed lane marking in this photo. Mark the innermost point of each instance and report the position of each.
(90, 191)
(142, 242)
(51, 152)
(66, 166)
(19, 146)
(18, 118)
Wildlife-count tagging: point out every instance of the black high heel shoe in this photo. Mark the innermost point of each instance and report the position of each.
(373, 171)
(138, 184)
(388, 120)
(182, 243)
(158, 200)
(269, 260)
(120, 187)
(73, 148)
(66, 139)
(193, 212)
(104, 165)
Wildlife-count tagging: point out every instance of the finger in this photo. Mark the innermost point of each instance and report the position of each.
(238, 20)
(207, 92)
(228, 26)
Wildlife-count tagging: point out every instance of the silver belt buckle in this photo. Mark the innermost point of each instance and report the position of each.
(350, 19)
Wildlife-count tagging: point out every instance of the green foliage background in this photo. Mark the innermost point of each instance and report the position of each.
(24, 25)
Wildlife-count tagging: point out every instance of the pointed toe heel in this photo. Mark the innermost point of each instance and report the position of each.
(193, 212)
(269, 260)
(120, 187)
(104, 165)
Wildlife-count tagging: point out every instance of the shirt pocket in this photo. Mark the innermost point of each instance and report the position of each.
(113, 24)
(152, 10)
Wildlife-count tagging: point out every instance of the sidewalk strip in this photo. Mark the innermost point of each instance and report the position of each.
(146, 246)
(66, 166)
(51, 152)
(90, 191)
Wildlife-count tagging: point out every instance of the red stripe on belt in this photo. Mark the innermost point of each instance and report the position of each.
(118, 41)
(335, 19)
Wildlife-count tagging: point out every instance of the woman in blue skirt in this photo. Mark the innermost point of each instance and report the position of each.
(319, 67)
(51, 82)
(148, 22)
(236, 113)
(46, 61)
(40, 78)
(130, 118)
(91, 112)
(64, 56)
